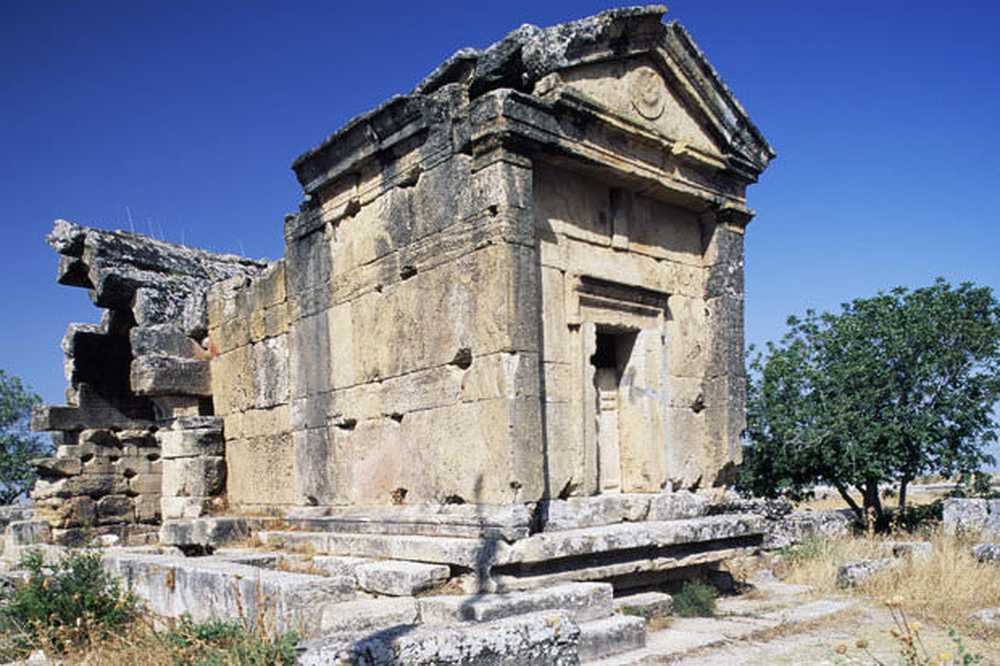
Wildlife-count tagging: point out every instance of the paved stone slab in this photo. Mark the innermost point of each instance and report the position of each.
(583, 601)
(208, 587)
(539, 639)
(645, 604)
(609, 636)
(398, 578)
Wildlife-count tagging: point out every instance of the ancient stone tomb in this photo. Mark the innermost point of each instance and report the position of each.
(522, 281)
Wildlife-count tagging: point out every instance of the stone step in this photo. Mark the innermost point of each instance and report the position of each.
(463, 520)
(645, 604)
(583, 602)
(611, 636)
(368, 615)
(210, 587)
(473, 554)
(398, 578)
(388, 577)
(600, 510)
(536, 639)
(629, 536)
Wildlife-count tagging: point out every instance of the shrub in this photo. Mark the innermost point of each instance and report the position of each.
(695, 599)
(66, 605)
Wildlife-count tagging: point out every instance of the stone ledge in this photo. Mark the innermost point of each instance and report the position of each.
(540, 639)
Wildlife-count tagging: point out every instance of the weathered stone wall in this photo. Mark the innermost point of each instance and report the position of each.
(413, 376)
(248, 334)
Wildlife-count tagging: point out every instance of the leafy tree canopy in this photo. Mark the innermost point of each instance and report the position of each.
(17, 445)
(891, 388)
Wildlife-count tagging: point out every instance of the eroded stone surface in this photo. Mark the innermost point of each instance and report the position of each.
(542, 639)
(854, 574)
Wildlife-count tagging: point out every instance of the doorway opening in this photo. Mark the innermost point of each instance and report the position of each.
(613, 349)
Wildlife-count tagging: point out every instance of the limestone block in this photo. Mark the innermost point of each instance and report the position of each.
(583, 602)
(163, 339)
(440, 453)
(368, 615)
(266, 422)
(665, 232)
(91, 485)
(211, 588)
(677, 505)
(57, 466)
(501, 183)
(268, 288)
(193, 477)
(553, 545)
(270, 372)
(580, 512)
(724, 322)
(543, 639)
(213, 532)
(687, 343)
(571, 206)
(971, 516)
(147, 508)
(183, 507)
(396, 578)
(232, 387)
(71, 512)
(686, 443)
(309, 347)
(261, 467)
(26, 533)
(170, 375)
(187, 443)
(115, 509)
(314, 474)
(854, 574)
(230, 335)
(987, 552)
(146, 484)
(609, 636)
(646, 605)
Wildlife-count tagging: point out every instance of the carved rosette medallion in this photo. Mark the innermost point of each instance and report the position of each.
(647, 90)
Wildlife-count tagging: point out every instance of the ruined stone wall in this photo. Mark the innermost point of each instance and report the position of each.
(100, 481)
(414, 376)
(248, 334)
(143, 371)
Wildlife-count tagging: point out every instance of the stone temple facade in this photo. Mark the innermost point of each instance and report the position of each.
(520, 283)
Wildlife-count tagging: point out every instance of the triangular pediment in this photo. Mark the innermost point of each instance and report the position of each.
(637, 89)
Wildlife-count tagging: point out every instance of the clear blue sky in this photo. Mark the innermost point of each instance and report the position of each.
(188, 114)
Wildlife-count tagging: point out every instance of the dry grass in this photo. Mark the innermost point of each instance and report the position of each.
(834, 501)
(944, 588)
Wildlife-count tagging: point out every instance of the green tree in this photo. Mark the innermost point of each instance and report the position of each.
(17, 445)
(891, 388)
